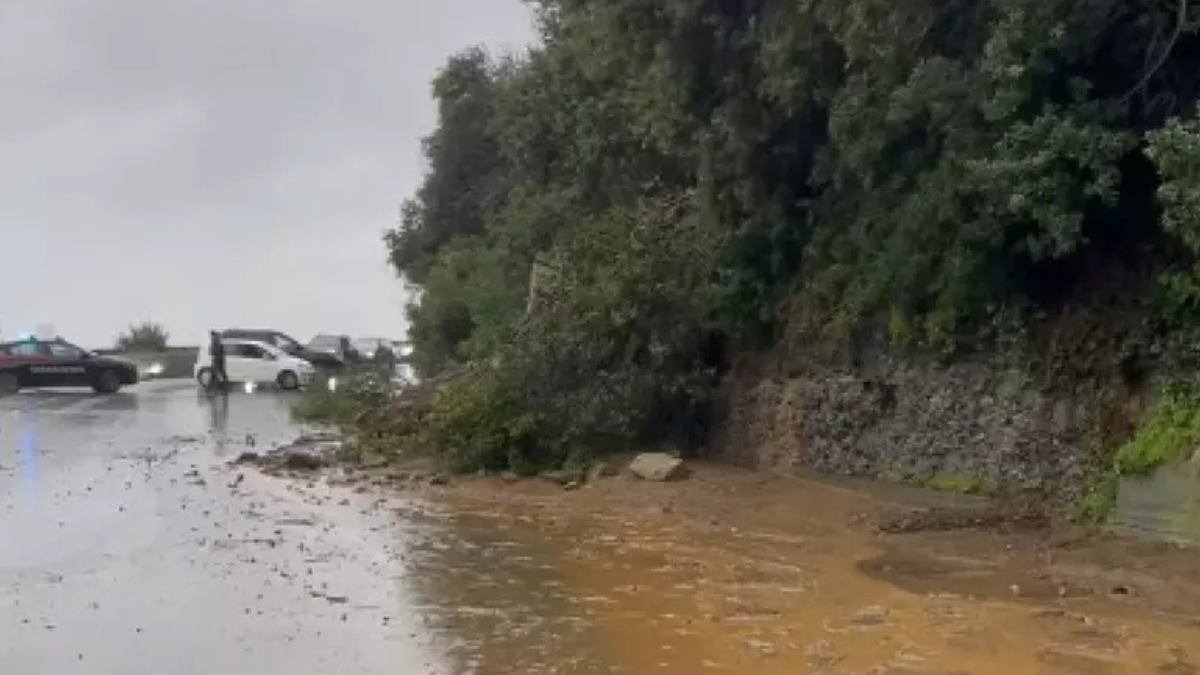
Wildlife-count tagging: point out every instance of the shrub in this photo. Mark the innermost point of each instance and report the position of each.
(144, 337)
(476, 422)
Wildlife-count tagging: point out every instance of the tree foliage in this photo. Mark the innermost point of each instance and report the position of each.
(701, 175)
(147, 336)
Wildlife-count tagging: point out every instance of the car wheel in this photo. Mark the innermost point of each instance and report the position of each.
(288, 380)
(9, 384)
(107, 382)
(204, 377)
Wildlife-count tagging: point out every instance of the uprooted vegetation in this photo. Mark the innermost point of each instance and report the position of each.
(661, 186)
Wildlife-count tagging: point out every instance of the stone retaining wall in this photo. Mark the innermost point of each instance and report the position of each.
(910, 419)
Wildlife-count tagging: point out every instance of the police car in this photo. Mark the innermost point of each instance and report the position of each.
(33, 363)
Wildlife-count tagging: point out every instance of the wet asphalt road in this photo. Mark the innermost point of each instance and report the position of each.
(128, 545)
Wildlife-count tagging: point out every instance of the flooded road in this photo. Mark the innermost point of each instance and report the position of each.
(127, 547)
(129, 544)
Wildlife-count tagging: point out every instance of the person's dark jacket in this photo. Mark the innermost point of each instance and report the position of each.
(216, 349)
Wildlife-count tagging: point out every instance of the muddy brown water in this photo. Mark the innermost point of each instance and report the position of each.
(128, 545)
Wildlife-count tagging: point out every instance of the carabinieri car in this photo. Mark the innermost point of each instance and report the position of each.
(30, 364)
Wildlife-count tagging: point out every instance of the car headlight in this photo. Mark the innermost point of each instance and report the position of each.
(154, 369)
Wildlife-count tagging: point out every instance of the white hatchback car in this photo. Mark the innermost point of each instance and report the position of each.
(254, 361)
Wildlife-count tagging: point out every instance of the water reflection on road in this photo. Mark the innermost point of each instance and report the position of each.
(127, 546)
(126, 539)
(27, 460)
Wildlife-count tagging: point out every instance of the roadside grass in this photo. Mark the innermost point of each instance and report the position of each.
(320, 405)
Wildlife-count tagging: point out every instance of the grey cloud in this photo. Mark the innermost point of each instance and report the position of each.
(215, 146)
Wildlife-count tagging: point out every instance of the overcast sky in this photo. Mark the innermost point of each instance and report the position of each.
(216, 162)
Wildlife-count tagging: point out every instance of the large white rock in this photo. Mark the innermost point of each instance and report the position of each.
(658, 466)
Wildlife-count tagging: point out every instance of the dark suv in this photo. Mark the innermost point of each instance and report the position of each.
(288, 344)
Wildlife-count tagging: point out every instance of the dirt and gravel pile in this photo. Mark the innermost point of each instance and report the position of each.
(401, 418)
(309, 452)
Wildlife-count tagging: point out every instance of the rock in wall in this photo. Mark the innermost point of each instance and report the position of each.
(908, 418)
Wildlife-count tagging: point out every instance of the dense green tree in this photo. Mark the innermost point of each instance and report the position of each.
(937, 163)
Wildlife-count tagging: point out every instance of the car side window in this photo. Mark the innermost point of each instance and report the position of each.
(61, 350)
(253, 352)
(27, 349)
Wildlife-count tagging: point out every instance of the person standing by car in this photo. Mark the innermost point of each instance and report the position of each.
(385, 360)
(216, 349)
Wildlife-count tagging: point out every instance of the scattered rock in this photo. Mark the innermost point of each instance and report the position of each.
(248, 458)
(509, 477)
(439, 479)
(822, 655)
(296, 460)
(315, 438)
(870, 616)
(183, 440)
(658, 466)
(331, 599)
(301, 522)
(573, 485)
(762, 648)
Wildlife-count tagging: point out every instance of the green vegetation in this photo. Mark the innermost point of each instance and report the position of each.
(1170, 430)
(321, 406)
(344, 405)
(1099, 498)
(662, 185)
(144, 337)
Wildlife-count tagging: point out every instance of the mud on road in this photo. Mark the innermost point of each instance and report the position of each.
(131, 543)
(737, 572)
